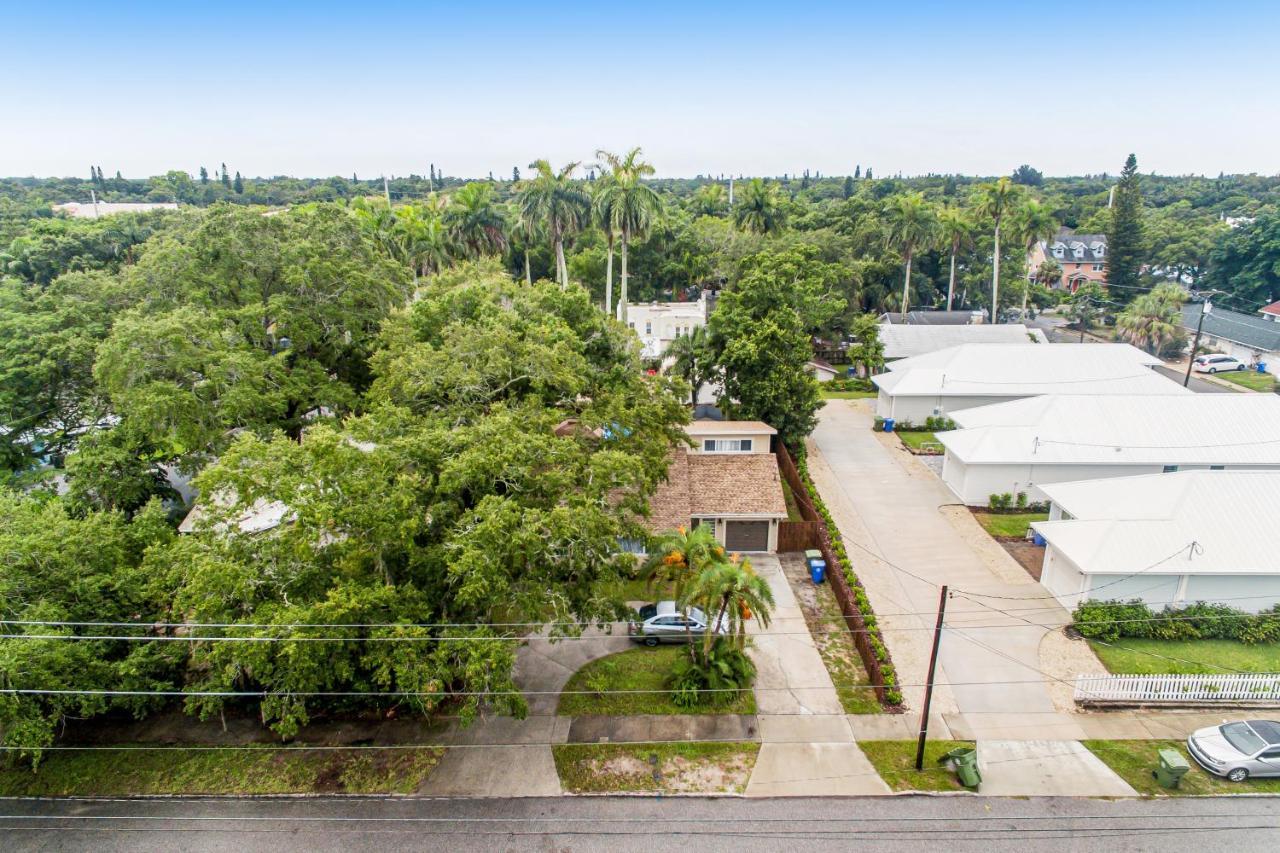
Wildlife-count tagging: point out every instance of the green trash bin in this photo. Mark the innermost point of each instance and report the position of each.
(1171, 768)
(965, 761)
(812, 554)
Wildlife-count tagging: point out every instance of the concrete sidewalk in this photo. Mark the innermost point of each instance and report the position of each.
(1044, 768)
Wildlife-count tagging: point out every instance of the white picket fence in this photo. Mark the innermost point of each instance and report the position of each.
(1256, 689)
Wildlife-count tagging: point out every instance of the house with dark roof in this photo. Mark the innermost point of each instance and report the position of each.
(1253, 340)
(1082, 257)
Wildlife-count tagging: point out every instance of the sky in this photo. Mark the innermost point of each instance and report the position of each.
(370, 88)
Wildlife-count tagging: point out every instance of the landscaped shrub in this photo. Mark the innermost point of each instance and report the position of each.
(728, 671)
(939, 423)
(1021, 501)
(999, 501)
(849, 385)
(1108, 621)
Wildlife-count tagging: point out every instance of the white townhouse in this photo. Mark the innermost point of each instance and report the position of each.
(971, 375)
(1168, 540)
(660, 323)
(1025, 445)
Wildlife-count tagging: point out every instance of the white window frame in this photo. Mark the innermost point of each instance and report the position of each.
(727, 445)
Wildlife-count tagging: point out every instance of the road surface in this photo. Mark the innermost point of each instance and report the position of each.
(909, 823)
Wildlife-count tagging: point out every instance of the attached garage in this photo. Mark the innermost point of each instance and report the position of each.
(746, 535)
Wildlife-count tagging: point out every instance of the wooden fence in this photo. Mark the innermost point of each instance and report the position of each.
(1255, 689)
(798, 535)
(817, 528)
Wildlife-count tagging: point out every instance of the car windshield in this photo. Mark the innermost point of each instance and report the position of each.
(1240, 736)
(648, 611)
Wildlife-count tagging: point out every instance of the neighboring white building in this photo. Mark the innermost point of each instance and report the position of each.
(1252, 339)
(660, 323)
(731, 436)
(1166, 539)
(907, 341)
(820, 370)
(1026, 445)
(89, 210)
(970, 375)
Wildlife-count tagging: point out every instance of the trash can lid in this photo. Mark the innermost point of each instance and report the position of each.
(1173, 760)
(813, 554)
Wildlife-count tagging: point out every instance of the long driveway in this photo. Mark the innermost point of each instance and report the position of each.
(905, 543)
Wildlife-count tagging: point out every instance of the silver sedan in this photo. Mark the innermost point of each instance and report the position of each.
(1238, 750)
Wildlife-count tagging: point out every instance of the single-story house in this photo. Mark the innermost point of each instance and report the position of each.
(1168, 540)
(902, 341)
(729, 481)
(1271, 313)
(971, 375)
(821, 370)
(1244, 336)
(1025, 445)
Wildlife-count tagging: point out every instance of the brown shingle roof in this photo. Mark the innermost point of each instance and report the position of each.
(716, 485)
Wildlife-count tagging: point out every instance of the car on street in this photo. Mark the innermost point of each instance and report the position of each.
(1217, 363)
(663, 622)
(1238, 750)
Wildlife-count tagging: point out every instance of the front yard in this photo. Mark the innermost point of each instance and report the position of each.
(1136, 656)
(1251, 379)
(643, 672)
(1133, 761)
(662, 768)
(895, 761)
(921, 442)
(1008, 525)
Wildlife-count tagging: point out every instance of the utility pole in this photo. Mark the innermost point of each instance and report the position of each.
(731, 191)
(386, 189)
(928, 690)
(1205, 308)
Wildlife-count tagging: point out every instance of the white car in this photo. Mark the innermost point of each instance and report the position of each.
(1238, 750)
(662, 622)
(1218, 363)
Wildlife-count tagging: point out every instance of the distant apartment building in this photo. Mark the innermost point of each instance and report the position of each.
(91, 210)
(1082, 258)
(660, 323)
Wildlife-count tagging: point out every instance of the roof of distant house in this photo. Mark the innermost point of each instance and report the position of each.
(934, 318)
(902, 341)
(1273, 309)
(708, 427)
(1246, 329)
(1092, 246)
(715, 484)
(1020, 370)
(821, 364)
(1124, 525)
(1174, 429)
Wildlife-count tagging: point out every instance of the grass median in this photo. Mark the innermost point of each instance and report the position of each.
(665, 768)
(895, 761)
(635, 682)
(1134, 760)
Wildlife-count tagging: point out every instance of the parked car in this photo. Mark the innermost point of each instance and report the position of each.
(662, 622)
(1238, 750)
(1218, 363)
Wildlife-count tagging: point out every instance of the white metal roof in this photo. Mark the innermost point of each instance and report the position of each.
(723, 427)
(1022, 370)
(906, 341)
(1173, 429)
(1147, 524)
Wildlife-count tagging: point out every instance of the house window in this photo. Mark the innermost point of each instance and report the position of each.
(1169, 469)
(726, 445)
(1097, 267)
(1217, 467)
(698, 522)
(648, 327)
(631, 325)
(631, 546)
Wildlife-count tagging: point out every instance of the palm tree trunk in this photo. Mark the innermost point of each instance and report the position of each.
(561, 270)
(906, 286)
(608, 277)
(528, 274)
(995, 279)
(951, 282)
(622, 299)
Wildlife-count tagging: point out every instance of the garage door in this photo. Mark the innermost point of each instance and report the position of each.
(746, 535)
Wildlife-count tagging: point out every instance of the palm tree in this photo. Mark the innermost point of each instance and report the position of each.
(528, 232)
(994, 201)
(759, 210)
(710, 200)
(604, 214)
(956, 231)
(1153, 321)
(694, 359)
(1035, 222)
(560, 206)
(475, 221)
(421, 240)
(634, 205)
(913, 224)
(727, 591)
(676, 558)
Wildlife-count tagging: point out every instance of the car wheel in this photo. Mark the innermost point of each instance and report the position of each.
(1239, 367)
(651, 641)
(1239, 774)
(1213, 370)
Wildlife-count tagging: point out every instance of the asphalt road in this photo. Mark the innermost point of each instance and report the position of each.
(908, 823)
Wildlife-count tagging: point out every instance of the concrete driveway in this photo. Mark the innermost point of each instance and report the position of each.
(893, 517)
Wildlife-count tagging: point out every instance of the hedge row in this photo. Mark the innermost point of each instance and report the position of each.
(888, 673)
(1111, 620)
(854, 384)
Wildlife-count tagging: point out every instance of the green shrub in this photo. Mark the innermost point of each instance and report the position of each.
(939, 423)
(1021, 500)
(999, 502)
(715, 682)
(1108, 621)
(849, 385)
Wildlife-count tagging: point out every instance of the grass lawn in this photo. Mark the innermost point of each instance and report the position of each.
(1134, 656)
(1012, 525)
(638, 589)
(257, 770)
(849, 395)
(638, 669)
(916, 441)
(895, 761)
(840, 655)
(793, 509)
(672, 768)
(1133, 761)
(1251, 379)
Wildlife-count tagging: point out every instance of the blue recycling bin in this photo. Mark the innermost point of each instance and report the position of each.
(888, 424)
(851, 372)
(817, 570)
(1037, 538)
(1262, 367)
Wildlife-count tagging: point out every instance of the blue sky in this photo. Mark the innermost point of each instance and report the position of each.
(325, 88)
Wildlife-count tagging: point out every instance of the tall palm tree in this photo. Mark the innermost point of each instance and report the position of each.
(528, 232)
(634, 206)
(475, 221)
(1153, 320)
(994, 201)
(956, 230)
(421, 240)
(677, 558)
(557, 202)
(1035, 222)
(727, 591)
(913, 225)
(758, 209)
(710, 200)
(603, 213)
